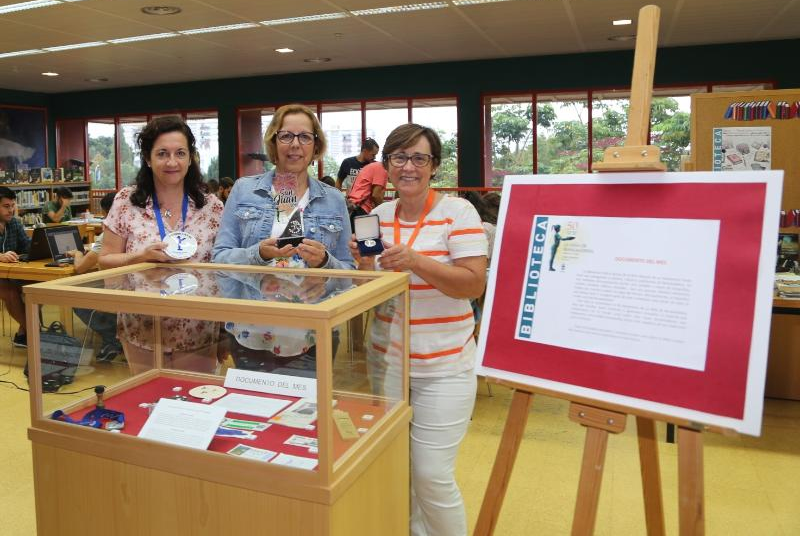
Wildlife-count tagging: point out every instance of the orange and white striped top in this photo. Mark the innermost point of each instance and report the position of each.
(441, 327)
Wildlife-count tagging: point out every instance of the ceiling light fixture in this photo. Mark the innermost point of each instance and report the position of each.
(307, 18)
(77, 45)
(49, 73)
(160, 11)
(143, 38)
(399, 9)
(317, 60)
(96, 80)
(22, 6)
(621, 22)
(284, 50)
(630, 37)
(21, 53)
(226, 28)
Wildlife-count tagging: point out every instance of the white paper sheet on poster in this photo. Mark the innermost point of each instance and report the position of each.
(635, 288)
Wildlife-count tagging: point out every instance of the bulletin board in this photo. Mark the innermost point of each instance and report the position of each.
(708, 113)
(603, 310)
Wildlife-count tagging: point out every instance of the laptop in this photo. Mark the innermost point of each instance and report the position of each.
(61, 239)
(54, 242)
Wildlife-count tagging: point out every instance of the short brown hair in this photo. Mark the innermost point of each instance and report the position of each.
(270, 143)
(407, 135)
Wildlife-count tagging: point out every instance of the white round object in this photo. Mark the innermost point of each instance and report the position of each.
(370, 243)
(208, 391)
(177, 389)
(181, 283)
(180, 245)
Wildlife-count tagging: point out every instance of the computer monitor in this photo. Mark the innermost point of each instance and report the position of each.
(61, 239)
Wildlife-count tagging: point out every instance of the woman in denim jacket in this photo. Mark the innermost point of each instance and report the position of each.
(283, 218)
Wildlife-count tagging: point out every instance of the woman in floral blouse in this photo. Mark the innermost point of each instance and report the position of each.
(167, 197)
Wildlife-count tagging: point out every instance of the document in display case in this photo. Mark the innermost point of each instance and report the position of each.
(307, 414)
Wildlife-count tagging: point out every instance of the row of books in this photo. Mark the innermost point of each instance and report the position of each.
(43, 175)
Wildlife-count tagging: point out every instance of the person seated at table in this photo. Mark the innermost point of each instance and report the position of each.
(59, 210)
(167, 198)
(103, 323)
(279, 203)
(13, 243)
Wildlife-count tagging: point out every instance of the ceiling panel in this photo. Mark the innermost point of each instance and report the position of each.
(500, 29)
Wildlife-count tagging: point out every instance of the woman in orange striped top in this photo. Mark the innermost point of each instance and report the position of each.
(439, 240)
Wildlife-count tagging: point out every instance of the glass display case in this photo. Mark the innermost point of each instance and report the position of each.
(165, 385)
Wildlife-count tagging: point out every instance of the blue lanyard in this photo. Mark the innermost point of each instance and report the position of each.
(160, 222)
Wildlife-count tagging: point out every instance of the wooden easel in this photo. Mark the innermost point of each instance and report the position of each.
(599, 421)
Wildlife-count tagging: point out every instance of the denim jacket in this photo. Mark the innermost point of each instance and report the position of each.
(250, 211)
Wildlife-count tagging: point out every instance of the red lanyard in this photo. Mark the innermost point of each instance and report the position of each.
(420, 221)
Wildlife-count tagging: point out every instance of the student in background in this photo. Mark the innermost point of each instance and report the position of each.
(225, 185)
(367, 190)
(103, 323)
(13, 243)
(212, 186)
(59, 210)
(351, 166)
(327, 179)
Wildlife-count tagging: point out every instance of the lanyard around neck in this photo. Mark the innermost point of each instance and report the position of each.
(420, 221)
(160, 221)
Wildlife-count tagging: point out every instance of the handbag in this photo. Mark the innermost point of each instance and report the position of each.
(60, 356)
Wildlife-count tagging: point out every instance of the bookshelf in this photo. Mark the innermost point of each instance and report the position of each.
(31, 197)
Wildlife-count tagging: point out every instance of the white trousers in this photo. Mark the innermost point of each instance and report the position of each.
(442, 409)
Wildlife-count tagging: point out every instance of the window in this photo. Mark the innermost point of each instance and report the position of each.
(670, 123)
(510, 131)
(382, 118)
(129, 157)
(609, 121)
(342, 126)
(562, 132)
(205, 128)
(102, 154)
(442, 116)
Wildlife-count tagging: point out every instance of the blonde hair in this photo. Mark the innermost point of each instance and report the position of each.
(271, 144)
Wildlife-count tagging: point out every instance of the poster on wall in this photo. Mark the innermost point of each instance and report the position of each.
(742, 148)
(620, 288)
(23, 138)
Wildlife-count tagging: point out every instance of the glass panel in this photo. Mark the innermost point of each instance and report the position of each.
(384, 117)
(287, 286)
(609, 121)
(509, 131)
(129, 157)
(205, 128)
(102, 156)
(368, 382)
(670, 124)
(562, 133)
(342, 126)
(442, 116)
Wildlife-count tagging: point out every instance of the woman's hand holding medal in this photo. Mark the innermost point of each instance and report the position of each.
(268, 249)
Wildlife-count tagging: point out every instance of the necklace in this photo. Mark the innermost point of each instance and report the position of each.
(168, 213)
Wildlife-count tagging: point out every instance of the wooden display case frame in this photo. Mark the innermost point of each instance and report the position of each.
(88, 480)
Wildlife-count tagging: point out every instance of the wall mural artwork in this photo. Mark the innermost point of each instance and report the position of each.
(23, 138)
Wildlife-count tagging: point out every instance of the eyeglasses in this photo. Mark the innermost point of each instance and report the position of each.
(305, 138)
(418, 159)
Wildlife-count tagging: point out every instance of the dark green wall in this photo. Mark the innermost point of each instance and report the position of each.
(764, 61)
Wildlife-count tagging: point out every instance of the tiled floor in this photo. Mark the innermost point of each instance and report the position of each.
(752, 485)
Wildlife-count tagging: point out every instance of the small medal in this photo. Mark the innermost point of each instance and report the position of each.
(180, 245)
(208, 391)
(370, 243)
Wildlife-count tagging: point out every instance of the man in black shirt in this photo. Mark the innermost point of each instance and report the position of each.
(13, 243)
(351, 166)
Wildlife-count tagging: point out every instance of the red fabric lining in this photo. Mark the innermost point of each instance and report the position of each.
(271, 439)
